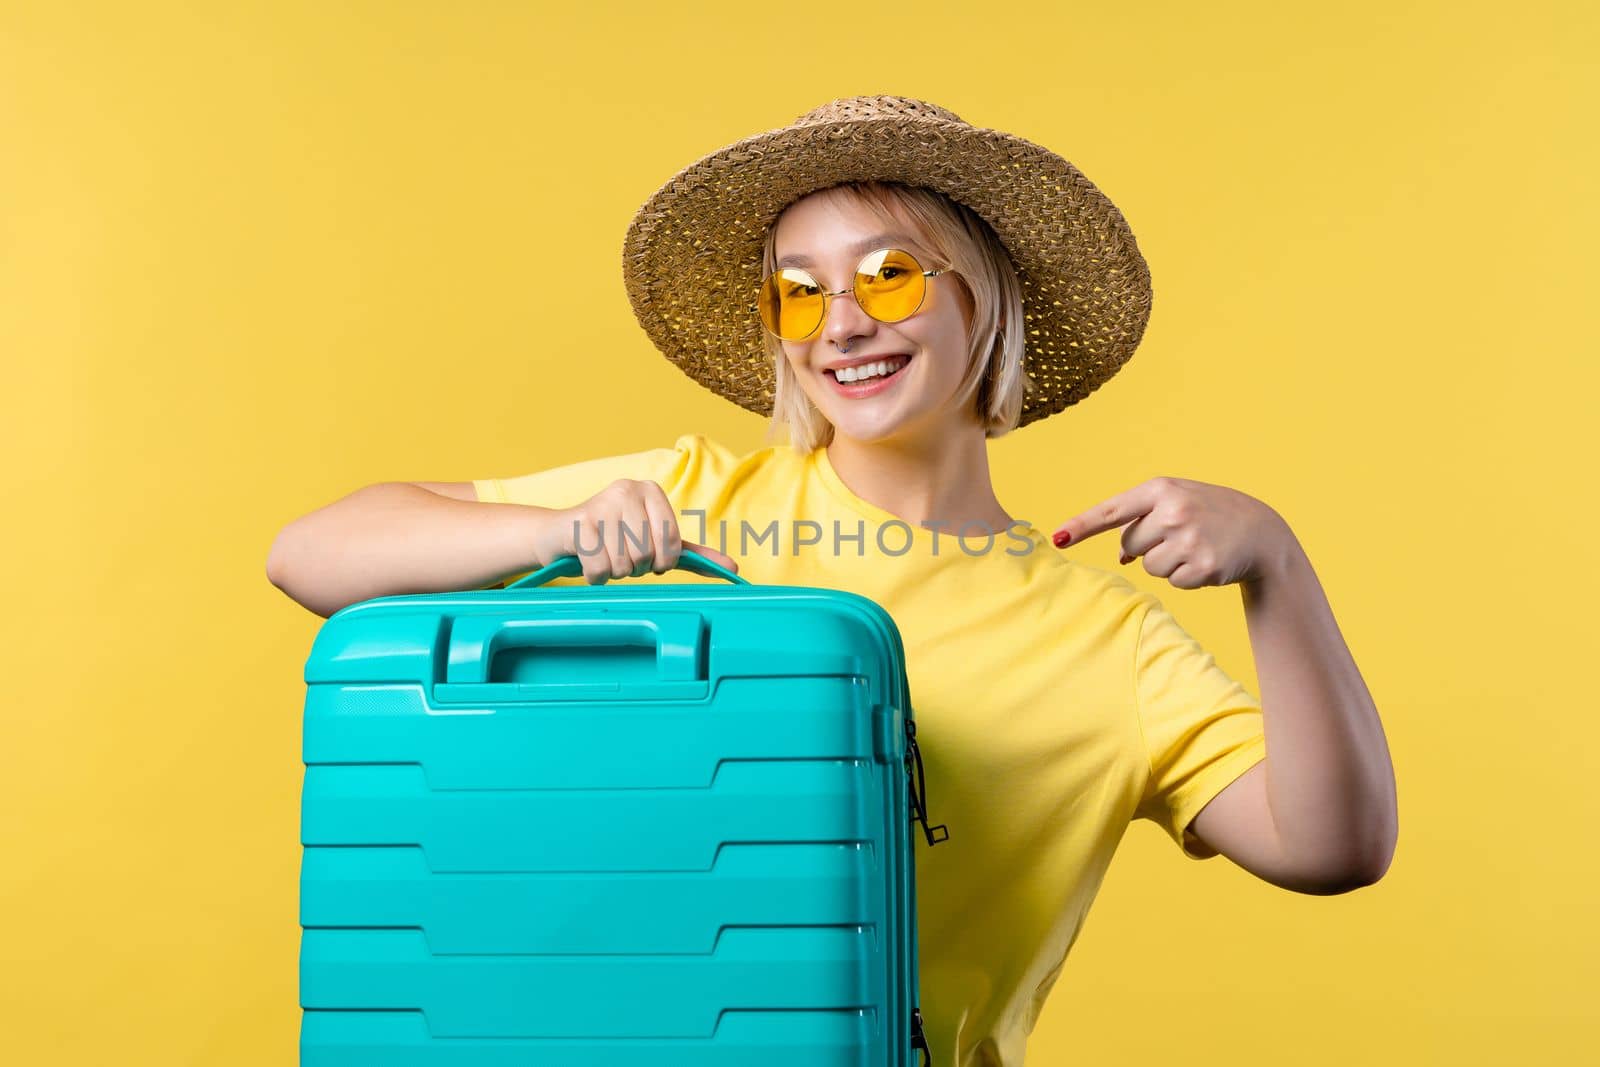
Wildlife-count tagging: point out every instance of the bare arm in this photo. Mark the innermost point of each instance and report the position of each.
(398, 537)
(1319, 814)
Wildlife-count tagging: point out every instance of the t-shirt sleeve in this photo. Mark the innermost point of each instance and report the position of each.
(1201, 728)
(568, 486)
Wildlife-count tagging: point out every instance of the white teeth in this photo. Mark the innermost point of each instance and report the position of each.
(870, 370)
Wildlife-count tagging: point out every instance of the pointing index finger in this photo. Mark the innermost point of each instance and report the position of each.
(1109, 514)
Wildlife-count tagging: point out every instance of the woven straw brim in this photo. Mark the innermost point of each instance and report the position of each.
(692, 255)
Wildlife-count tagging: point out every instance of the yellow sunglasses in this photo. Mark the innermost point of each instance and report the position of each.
(889, 285)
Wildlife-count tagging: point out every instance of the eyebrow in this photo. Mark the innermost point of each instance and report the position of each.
(859, 248)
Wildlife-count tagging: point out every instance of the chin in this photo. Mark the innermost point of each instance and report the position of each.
(866, 430)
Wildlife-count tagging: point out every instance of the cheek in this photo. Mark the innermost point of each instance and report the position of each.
(798, 362)
(943, 334)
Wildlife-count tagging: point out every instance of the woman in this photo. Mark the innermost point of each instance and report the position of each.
(894, 286)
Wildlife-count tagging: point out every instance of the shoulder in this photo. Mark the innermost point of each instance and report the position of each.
(704, 447)
(705, 456)
(1090, 597)
(705, 444)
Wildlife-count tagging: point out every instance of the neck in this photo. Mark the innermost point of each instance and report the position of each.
(942, 479)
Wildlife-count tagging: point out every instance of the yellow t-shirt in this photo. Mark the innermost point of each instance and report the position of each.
(1054, 701)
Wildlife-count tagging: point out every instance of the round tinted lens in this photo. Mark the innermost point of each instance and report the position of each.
(791, 303)
(890, 285)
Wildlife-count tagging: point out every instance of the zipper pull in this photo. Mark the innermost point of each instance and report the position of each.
(919, 788)
(918, 1040)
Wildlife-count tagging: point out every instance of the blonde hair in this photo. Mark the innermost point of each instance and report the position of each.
(995, 382)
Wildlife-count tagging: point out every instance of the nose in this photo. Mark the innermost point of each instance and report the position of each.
(846, 320)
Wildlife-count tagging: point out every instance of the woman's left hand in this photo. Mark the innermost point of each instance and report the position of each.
(1191, 533)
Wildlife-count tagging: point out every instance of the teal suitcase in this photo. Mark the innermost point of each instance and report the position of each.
(589, 826)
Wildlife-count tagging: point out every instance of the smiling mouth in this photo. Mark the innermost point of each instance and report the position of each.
(903, 361)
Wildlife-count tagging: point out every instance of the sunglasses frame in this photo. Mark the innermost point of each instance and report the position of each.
(826, 296)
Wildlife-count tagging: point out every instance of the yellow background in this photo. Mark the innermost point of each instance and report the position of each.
(254, 256)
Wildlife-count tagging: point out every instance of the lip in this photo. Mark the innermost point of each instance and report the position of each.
(861, 390)
(864, 360)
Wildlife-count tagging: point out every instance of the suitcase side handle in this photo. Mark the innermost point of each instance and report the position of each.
(572, 567)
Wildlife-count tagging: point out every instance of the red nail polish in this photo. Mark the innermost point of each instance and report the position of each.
(1061, 538)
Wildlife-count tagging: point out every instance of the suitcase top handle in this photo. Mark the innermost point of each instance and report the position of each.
(572, 567)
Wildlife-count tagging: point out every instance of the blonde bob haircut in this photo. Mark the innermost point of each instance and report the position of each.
(995, 381)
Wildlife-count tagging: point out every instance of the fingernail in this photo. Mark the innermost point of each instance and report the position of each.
(1125, 559)
(1061, 537)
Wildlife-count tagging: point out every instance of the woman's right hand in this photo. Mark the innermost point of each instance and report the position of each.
(617, 519)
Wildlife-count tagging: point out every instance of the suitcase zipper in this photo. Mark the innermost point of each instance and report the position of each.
(919, 787)
(918, 1040)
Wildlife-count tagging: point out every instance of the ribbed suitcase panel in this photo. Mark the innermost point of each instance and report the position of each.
(532, 859)
(580, 745)
(800, 968)
(741, 1039)
(586, 830)
(665, 912)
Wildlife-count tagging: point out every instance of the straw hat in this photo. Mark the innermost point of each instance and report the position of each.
(692, 256)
